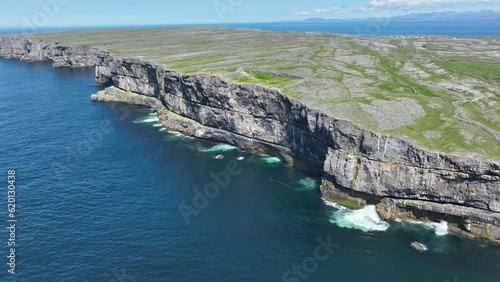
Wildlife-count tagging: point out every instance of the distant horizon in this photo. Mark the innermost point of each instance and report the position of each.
(93, 13)
(304, 21)
(456, 28)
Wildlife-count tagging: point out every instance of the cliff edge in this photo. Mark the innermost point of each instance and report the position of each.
(358, 165)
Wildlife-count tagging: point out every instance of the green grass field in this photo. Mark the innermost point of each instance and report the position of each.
(265, 79)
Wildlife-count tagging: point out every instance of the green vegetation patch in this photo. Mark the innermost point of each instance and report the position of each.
(451, 140)
(487, 70)
(194, 62)
(476, 113)
(348, 204)
(265, 79)
(223, 71)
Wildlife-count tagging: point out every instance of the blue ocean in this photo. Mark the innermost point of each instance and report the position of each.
(103, 193)
(386, 27)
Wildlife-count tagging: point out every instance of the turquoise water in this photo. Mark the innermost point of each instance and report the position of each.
(104, 194)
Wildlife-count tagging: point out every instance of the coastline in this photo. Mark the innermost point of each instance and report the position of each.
(400, 178)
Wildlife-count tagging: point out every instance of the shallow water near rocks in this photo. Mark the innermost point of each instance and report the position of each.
(112, 213)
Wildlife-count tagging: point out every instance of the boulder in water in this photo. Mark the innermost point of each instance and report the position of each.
(418, 246)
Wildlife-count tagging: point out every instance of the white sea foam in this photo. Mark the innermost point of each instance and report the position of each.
(308, 181)
(176, 134)
(150, 120)
(333, 204)
(162, 129)
(147, 120)
(306, 184)
(157, 125)
(440, 228)
(218, 148)
(270, 160)
(365, 219)
(173, 135)
(179, 134)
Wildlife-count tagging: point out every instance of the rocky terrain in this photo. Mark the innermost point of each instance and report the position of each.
(360, 165)
(441, 93)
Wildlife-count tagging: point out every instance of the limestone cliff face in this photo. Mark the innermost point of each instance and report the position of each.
(402, 179)
(61, 56)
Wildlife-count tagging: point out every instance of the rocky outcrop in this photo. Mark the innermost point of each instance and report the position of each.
(61, 56)
(402, 179)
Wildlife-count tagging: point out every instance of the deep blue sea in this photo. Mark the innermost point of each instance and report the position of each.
(385, 27)
(374, 27)
(105, 194)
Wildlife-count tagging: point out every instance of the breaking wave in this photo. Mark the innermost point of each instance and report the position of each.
(173, 135)
(306, 184)
(147, 120)
(218, 148)
(439, 228)
(365, 219)
(269, 160)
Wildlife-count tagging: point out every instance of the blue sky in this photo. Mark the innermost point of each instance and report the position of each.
(57, 13)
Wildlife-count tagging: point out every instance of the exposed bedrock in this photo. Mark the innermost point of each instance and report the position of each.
(400, 178)
(40, 50)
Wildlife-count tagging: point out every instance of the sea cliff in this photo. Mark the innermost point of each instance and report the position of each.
(358, 165)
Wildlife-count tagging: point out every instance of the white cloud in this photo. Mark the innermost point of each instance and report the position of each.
(396, 5)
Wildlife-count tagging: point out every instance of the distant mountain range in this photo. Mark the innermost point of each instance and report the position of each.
(479, 15)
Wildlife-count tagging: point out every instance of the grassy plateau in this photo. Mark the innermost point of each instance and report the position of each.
(442, 93)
